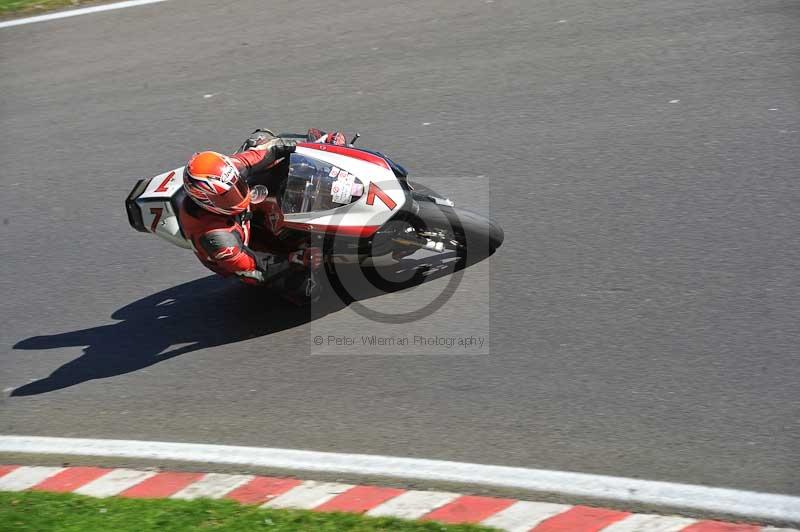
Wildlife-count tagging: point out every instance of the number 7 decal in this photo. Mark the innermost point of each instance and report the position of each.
(156, 212)
(375, 190)
(164, 186)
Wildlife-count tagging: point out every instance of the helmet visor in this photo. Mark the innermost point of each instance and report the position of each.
(236, 198)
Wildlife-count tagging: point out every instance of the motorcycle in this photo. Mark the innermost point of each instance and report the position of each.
(356, 204)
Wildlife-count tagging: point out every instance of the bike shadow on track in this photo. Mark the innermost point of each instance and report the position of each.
(195, 315)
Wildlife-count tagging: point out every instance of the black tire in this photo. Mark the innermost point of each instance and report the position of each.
(476, 236)
(471, 236)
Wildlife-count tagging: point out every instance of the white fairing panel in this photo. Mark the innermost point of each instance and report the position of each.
(359, 214)
(158, 213)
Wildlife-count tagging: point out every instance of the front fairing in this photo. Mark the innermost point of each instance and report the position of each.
(339, 191)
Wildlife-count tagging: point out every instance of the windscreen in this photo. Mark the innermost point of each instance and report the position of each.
(315, 185)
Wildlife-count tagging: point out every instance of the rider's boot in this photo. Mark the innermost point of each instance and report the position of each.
(300, 288)
(334, 137)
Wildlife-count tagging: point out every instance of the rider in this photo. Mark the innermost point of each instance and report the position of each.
(216, 214)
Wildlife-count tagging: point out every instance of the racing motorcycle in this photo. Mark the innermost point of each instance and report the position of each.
(357, 204)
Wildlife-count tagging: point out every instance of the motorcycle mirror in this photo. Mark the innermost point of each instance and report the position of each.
(355, 138)
(258, 194)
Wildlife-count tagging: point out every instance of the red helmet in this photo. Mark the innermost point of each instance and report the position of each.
(213, 182)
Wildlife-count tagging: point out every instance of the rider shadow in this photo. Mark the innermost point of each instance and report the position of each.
(195, 315)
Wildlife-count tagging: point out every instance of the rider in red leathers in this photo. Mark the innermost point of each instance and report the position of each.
(217, 211)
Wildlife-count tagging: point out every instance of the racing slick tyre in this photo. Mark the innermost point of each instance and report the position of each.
(472, 236)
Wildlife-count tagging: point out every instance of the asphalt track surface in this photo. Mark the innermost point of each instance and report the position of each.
(643, 159)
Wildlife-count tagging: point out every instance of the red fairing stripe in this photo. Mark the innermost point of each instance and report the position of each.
(344, 230)
(348, 152)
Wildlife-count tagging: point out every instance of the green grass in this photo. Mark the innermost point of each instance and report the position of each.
(33, 7)
(44, 512)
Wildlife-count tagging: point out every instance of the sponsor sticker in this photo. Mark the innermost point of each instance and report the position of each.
(342, 188)
(228, 173)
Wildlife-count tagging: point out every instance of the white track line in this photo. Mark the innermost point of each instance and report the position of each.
(76, 12)
(650, 523)
(212, 486)
(413, 504)
(523, 515)
(27, 477)
(308, 495)
(114, 482)
(748, 504)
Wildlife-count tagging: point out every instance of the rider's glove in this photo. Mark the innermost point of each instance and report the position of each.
(270, 154)
(264, 139)
(257, 140)
(308, 258)
(280, 147)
